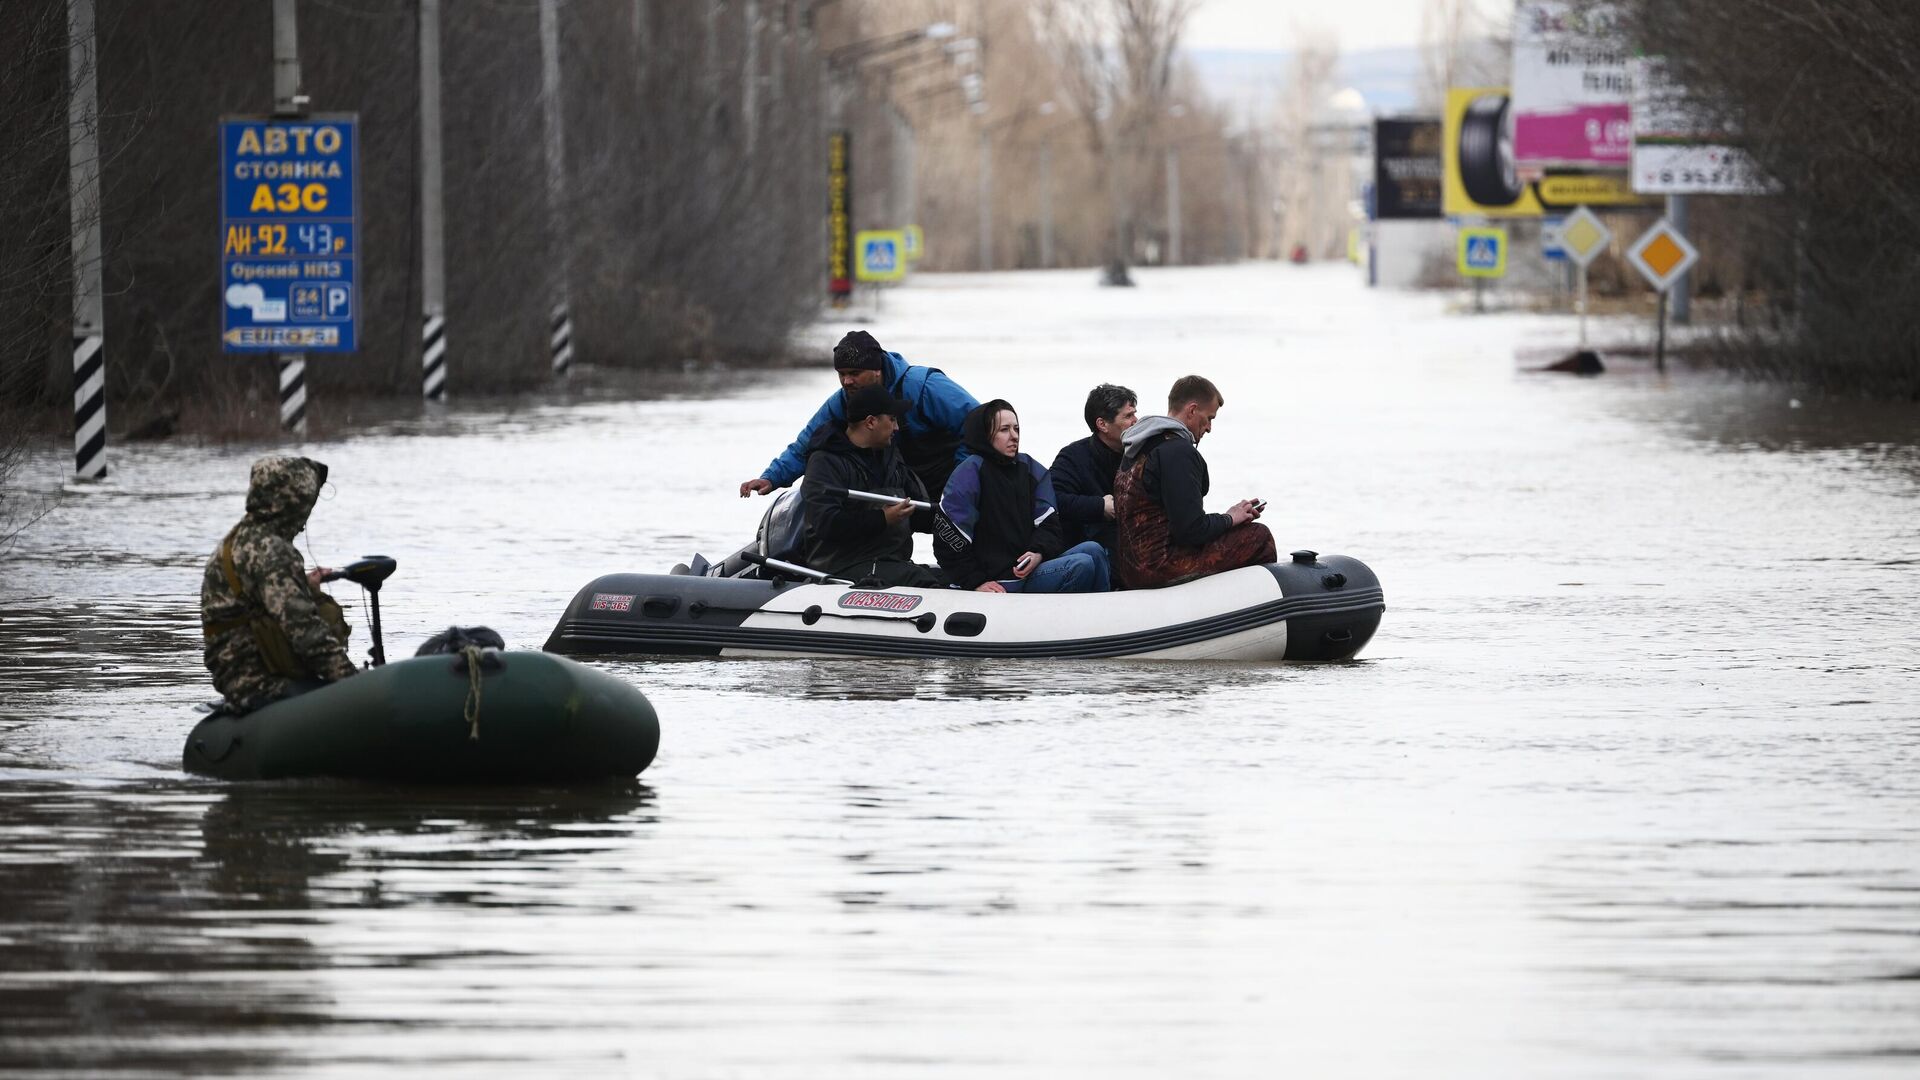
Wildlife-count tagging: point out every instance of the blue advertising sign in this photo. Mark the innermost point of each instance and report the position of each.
(289, 232)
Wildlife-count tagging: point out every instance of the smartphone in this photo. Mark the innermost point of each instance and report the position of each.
(1025, 561)
(1259, 506)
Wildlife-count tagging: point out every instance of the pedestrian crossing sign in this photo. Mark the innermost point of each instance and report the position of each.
(1483, 253)
(880, 255)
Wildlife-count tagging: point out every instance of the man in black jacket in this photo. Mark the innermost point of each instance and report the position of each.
(851, 538)
(1083, 471)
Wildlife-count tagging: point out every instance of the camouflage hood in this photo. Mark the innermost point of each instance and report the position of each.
(282, 492)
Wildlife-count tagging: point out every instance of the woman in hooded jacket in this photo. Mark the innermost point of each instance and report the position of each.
(997, 528)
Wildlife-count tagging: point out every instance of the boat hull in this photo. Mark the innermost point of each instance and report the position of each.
(1326, 608)
(540, 719)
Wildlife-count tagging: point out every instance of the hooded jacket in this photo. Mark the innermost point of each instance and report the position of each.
(930, 438)
(1175, 476)
(995, 508)
(272, 580)
(842, 532)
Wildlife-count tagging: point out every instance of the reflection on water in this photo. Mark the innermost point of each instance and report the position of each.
(139, 919)
(1624, 786)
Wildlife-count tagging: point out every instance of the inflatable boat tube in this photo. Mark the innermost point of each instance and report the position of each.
(1311, 608)
(538, 719)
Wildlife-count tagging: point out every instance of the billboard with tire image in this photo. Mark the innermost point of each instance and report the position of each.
(1481, 179)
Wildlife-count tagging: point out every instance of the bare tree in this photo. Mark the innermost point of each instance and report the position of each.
(1116, 63)
(1825, 94)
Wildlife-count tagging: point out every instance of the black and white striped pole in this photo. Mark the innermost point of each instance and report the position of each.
(293, 393)
(288, 101)
(560, 338)
(83, 199)
(560, 321)
(433, 358)
(433, 248)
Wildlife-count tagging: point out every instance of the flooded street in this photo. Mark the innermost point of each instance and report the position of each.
(1627, 783)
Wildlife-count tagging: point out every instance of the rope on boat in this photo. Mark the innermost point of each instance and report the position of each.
(472, 709)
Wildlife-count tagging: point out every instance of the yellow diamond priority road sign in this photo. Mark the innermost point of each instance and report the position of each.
(1662, 255)
(1583, 236)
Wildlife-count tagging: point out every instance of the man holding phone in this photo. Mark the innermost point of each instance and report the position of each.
(1166, 535)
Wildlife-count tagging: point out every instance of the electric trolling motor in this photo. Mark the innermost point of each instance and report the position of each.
(368, 572)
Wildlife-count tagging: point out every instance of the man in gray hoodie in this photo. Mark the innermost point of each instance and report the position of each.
(1166, 535)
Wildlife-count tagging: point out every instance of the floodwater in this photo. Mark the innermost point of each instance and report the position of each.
(1627, 785)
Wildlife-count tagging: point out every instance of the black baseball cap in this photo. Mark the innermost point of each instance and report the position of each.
(874, 401)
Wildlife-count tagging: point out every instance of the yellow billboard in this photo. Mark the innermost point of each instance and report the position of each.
(1479, 178)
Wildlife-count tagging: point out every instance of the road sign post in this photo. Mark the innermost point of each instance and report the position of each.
(1663, 256)
(1482, 254)
(1583, 237)
(880, 255)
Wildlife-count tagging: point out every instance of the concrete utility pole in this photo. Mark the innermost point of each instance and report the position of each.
(750, 78)
(1173, 206)
(433, 247)
(83, 210)
(560, 329)
(1682, 289)
(289, 101)
(1046, 205)
(986, 200)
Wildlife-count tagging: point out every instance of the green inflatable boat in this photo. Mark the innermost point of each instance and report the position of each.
(536, 718)
(477, 716)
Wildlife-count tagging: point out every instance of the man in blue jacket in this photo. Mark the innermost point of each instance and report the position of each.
(930, 437)
(1083, 471)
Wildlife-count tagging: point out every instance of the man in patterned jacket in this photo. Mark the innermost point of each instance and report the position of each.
(270, 632)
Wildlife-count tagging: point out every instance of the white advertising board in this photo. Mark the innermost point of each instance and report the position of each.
(1678, 151)
(1570, 90)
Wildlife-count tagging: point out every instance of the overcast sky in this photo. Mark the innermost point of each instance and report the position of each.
(1268, 25)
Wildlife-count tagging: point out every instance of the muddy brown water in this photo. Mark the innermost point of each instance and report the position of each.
(1628, 783)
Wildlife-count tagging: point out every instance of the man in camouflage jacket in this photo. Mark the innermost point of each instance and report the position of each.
(269, 630)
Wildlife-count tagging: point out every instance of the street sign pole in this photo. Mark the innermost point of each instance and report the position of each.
(1660, 346)
(1582, 304)
(1683, 288)
(288, 101)
(1663, 256)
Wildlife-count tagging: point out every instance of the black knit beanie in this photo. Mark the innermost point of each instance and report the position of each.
(859, 352)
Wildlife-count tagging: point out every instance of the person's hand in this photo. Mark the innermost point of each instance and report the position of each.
(1241, 512)
(1026, 564)
(990, 586)
(315, 575)
(899, 512)
(758, 484)
(1106, 507)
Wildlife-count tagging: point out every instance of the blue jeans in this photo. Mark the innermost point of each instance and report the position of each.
(1080, 568)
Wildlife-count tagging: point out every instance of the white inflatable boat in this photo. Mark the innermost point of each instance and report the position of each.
(1310, 608)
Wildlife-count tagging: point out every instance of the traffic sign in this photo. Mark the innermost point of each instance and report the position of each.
(1584, 236)
(1483, 252)
(880, 254)
(1550, 247)
(1662, 255)
(289, 230)
(916, 243)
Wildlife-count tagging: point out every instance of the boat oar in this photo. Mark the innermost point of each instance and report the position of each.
(793, 569)
(873, 497)
(368, 572)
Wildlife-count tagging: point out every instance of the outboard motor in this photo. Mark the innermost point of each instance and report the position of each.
(778, 537)
(783, 528)
(368, 572)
